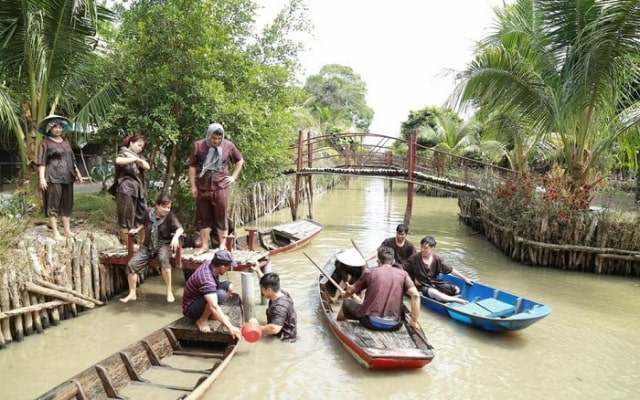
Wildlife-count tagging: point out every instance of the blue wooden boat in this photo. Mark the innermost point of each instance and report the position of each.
(488, 308)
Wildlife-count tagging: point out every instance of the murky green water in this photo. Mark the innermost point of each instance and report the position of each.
(586, 349)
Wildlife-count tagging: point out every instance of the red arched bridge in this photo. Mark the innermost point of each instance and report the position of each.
(368, 154)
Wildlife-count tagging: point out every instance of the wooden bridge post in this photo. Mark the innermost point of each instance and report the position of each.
(410, 169)
(347, 160)
(310, 176)
(294, 206)
(388, 159)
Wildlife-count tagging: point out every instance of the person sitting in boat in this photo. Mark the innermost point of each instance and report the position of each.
(403, 249)
(161, 238)
(382, 306)
(203, 293)
(349, 267)
(282, 320)
(424, 267)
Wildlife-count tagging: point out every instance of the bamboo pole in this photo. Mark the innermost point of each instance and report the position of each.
(32, 287)
(95, 268)
(14, 293)
(63, 289)
(28, 317)
(5, 305)
(37, 321)
(75, 269)
(44, 315)
(70, 310)
(30, 309)
(85, 267)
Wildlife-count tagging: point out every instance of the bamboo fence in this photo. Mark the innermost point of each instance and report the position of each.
(591, 242)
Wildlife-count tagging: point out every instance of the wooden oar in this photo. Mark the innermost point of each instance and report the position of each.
(416, 331)
(325, 274)
(355, 246)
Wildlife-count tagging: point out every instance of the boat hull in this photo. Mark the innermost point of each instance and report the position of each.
(409, 349)
(174, 360)
(489, 309)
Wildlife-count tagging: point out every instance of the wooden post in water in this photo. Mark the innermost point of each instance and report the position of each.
(309, 177)
(411, 160)
(248, 299)
(296, 202)
(388, 159)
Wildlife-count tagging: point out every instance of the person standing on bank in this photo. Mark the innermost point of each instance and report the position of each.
(57, 170)
(130, 186)
(282, 320)
(209, 180)
(402, 248)
(424, 268)
(203, 293)
(163, 231)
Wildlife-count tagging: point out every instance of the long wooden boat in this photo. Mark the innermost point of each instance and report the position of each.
(405, 348)
(280, 238)
(174, 362)
(489, 308)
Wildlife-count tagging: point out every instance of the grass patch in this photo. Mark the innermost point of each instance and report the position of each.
(98, 209)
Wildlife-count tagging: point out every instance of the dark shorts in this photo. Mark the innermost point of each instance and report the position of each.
(196, 308)
(211, 209)
(141, 258)
(446, 288)
(58, 200)
(130, 210)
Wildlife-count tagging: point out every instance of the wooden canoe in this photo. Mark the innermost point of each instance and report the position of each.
(402, 349)
(256, 246)
(176, 362)
(488, 308)
(280, 238)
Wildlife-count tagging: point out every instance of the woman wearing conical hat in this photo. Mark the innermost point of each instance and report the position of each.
(57, 170)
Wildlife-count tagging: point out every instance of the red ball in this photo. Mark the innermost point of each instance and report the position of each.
(251, 332)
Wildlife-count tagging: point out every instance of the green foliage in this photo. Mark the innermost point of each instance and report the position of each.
(183, 65)
(524, 201)
(16, 217)
(574, 77)
(45, 43)
(340, 91)
(425, 118)
(98, 209)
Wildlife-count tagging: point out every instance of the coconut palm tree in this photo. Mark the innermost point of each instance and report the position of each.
(565, 67)
(43, 45)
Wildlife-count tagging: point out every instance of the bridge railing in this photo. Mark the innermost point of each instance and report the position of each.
(353, 152)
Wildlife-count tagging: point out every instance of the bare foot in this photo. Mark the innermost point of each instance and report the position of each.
(201, 250)
(460, 300)
(130, 297)
(70, 234)
(58, 237)
(203, 326)
(170, 298)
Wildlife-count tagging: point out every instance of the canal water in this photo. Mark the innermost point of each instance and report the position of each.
(586, 349)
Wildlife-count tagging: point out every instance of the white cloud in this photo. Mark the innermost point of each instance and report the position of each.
(401, 49)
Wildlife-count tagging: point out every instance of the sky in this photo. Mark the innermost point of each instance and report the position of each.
(404, 50)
